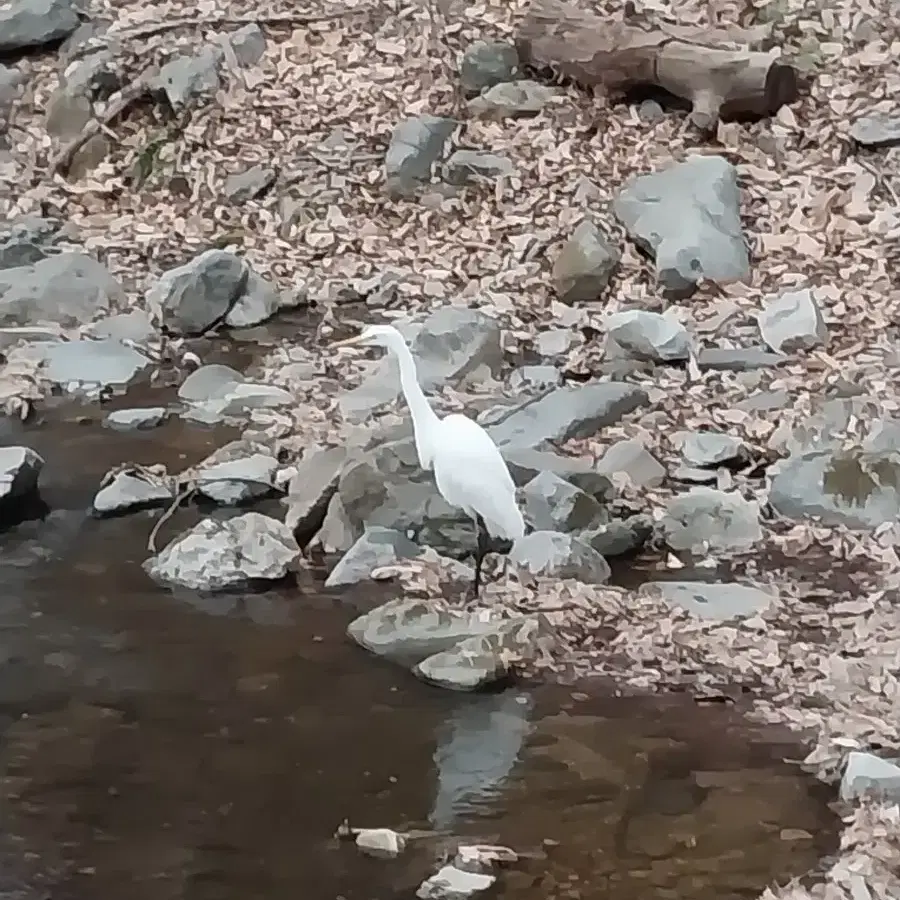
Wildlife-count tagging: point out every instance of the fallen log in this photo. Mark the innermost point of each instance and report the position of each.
(716, 69)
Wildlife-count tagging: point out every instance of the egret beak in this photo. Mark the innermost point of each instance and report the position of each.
(347, 342)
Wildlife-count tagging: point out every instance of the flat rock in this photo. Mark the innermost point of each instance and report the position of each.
(707, 449)
(409, 630)
(711, 601)
(310, 491)
(576, 411)
(792, 322)
(234, 481)
(467, 165)
(249, 184)
(377, 547)
(879, 130)
(483, 659)
(452, 883)
(136, 419)
(29, 24)
(248, 44)
(619, 537)
(20, 468)
(739, 359)
(130, 491)
(217, 555)
(416, 144)
(486, 63)
(561, 556)
(554, 343)
(552, 504)
(707, 519)
(693, 475)
(688, 218)
(186, 79)
(650, 336)
(856, 488)
(210, 382)
(868, 775)
(585, 265)
(26, 240)
(512, 99)
(77, 364)
(69, 289)
(632, 460)
(131, 326)
(531, 377)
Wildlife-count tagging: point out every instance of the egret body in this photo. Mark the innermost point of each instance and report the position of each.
(468, 469)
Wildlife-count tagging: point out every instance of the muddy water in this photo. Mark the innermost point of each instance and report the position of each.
(160, 745)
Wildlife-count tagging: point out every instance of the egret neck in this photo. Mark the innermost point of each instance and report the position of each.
(425, 419)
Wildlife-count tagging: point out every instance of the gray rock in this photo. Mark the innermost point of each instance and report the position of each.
(525, 463)
(879, 130)
(688, 218)
(633, 459)
(512, 99)
(739, 359)
(452, 344)
(706, 449)
(649, 335)
(707, 519)
(451, 882)
(416, 145)
(185, 79)
(692, 475)
(20, 468)
(552, 504)
(250, 395)
(619, 537)
(568, 412)
(28, 24)
(651, 112)
(765, 401)
(69, 109)
(248, 185)
(585, 265)
(210, 382)
(27, 240)
(131, 326)
(217, 555)
(868, 775)
(233, 481)
(481, 660)
(69, 289)
(554, 343)
(792, 322)
(11, 85)
(856, 487)
(409, 630)
(337, 534)
(486, 63)
(89, 364)
(136, 419)
(465, 165)
(711, 601)
(311, 489)
(248, 44)
(130, 491)
(377, 547)
(529, 377)
(560, 556)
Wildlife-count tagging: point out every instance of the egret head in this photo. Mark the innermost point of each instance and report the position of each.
(374, 336)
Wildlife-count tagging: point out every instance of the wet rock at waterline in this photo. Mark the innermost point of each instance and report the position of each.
(559, 555)
(83, 364)
(20, 468)
(688, 218)
(216, 392)
(792, 322)
(450, 345)
(486, 63)
(706, 449)
(708, 600)
(25, 25)
(707, 519)
(216, 288)
(417, 143)
(551, 504)
(217, 555)
(231, 482)
(131, 490)
(377, 547)
(210, 382)
(868, 775)
(409, 630)
(568, 412)
(585, 265)
(69, 289)
(136, 419)
(856, 488)
(481, 660)
(650, 336)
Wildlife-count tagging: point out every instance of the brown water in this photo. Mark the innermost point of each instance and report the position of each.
(161, 745)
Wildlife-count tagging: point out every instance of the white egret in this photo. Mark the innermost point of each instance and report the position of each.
(468, 469)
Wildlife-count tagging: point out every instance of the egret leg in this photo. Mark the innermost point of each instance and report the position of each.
(482, 545)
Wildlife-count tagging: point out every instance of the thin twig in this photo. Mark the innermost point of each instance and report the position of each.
(179, 499)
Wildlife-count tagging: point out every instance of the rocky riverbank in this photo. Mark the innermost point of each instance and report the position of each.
(682, 340)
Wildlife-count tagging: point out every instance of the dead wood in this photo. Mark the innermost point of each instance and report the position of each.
(716, 69)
